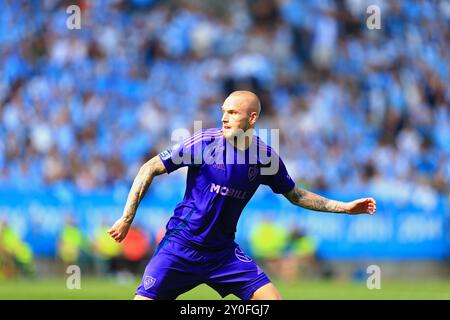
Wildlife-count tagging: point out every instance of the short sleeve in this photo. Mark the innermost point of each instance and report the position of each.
(278, 179)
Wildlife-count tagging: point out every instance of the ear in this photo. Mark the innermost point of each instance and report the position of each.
(253, 118)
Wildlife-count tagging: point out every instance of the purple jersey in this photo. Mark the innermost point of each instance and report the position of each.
(220, 181)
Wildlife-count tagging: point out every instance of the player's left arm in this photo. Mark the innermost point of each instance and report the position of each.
(309, 200)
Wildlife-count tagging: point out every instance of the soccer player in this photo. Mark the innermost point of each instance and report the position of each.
(199, 244)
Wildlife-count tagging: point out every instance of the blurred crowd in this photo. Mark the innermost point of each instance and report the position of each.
(95, 253)
(358, 109)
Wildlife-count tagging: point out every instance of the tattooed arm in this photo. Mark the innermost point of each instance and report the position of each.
(152, 168)
(309, 200)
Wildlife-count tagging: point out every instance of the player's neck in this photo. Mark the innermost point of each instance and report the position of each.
(243, 142)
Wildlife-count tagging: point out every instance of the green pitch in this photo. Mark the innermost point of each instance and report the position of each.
(106, 289)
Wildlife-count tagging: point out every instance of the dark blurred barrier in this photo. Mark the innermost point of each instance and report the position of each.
(398, 231)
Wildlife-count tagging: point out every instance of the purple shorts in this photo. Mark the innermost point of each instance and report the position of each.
(175, 269)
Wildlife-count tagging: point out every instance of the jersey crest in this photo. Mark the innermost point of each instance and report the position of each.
(252, 172)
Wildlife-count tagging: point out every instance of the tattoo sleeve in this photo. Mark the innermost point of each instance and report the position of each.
(154, 167)
(309, 200)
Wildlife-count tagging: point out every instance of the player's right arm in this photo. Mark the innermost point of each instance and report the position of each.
(152, 168)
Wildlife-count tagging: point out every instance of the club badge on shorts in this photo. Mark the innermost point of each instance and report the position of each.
(149, 282)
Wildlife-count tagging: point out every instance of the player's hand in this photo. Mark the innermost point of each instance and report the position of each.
(363, 205)
(119, 230)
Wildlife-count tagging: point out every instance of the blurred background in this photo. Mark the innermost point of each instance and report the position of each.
(361, 113)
